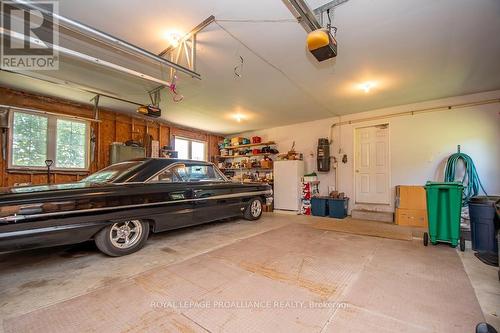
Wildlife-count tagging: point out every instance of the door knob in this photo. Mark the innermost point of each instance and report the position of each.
(357, 171)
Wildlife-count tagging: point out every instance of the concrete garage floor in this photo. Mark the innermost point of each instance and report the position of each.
(277, 274)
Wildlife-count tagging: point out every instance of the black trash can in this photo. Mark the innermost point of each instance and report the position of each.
(483, 223)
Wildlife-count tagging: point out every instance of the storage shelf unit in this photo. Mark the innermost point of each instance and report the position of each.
(252, 170)
(243, 156)
(256, 168)
(251, 145)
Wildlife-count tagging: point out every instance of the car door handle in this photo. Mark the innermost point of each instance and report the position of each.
(196, 193)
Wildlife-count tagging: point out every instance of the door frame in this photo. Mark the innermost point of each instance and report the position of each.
(389, 171)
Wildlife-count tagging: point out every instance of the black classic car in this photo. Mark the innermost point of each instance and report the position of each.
(120, 205)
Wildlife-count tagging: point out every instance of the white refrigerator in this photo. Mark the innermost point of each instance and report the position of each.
(287, 184)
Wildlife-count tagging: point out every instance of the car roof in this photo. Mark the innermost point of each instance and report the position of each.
(168, 161)
(151, 166)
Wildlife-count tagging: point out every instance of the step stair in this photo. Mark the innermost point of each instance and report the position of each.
(372, 215)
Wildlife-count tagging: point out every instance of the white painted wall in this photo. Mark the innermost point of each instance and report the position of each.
(419, 144)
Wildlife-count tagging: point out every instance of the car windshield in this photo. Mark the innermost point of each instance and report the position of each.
(107, 175)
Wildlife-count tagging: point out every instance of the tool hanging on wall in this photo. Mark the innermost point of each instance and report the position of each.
(93, 138)
(4, 125)
(48, 163)
(93, 142)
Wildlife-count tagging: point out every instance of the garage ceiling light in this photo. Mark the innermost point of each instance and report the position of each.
(173, 37)
(239, 117)
(367, 86)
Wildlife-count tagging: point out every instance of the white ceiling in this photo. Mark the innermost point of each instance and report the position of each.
(413, 51)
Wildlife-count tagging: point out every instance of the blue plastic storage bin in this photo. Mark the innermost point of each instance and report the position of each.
(319, 206)
(338, 207)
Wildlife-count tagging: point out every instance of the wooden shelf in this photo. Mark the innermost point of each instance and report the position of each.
(251, 145)
(270, 183)
(243, 156)
(236, 169)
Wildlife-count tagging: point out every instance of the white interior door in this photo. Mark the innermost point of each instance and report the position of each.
(372, 165)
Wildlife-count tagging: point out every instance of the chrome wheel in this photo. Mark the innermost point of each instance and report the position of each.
(126, 234)
(256, 208)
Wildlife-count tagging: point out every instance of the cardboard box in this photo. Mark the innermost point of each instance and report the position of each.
(410, 197)
(411, 217)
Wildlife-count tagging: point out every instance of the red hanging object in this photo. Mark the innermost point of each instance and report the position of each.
(173, 89)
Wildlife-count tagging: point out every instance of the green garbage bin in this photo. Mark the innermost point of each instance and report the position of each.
(444, 207)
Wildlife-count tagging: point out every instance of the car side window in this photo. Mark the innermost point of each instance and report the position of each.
(173, 174)
(188, 173)
(202, 173)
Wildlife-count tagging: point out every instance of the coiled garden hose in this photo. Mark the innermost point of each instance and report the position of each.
(470, 181)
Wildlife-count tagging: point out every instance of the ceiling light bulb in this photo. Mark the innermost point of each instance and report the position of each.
(367, 86)
(173, 37)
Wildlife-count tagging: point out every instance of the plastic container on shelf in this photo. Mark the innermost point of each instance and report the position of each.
(444, 205)
(256, 139)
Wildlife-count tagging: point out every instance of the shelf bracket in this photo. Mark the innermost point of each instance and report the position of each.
(155, 97)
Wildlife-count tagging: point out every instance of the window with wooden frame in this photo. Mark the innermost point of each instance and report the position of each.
(37, 137)
(190, 149)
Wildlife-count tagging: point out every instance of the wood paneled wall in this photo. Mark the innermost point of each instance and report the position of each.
(113, 127)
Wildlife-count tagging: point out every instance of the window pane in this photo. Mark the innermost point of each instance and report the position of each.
(29, 140)
(172, 175)
(71, 148)
(202, 173)
(182, 147)
(198, 150)
(112, 172)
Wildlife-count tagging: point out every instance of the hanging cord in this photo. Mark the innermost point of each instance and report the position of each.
(238, 69)
(470, 175)
(329, 25)
(279, 70)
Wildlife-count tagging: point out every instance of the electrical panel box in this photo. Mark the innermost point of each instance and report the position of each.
(323, 155)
